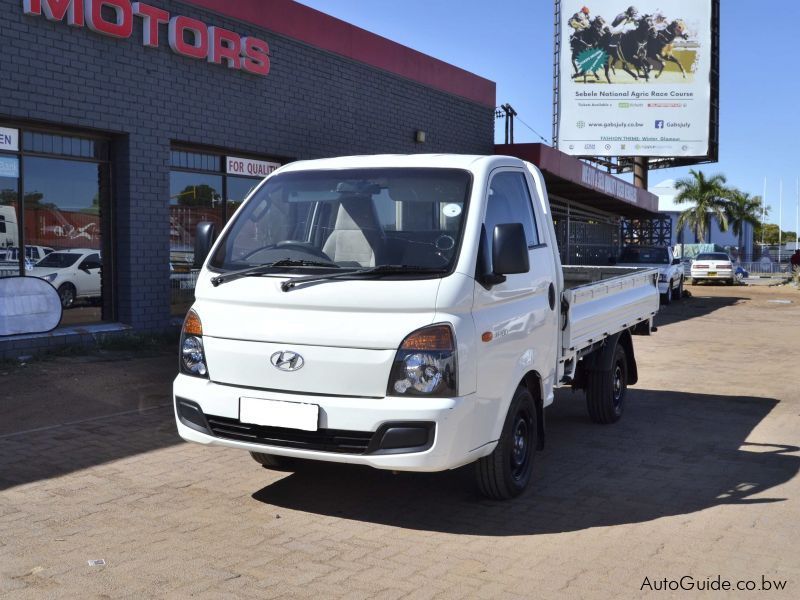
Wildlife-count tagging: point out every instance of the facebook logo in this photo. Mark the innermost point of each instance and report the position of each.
(659, 124)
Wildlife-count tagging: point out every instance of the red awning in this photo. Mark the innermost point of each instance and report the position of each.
(573, 179)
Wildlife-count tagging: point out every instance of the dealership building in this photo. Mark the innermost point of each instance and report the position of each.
(123, 124)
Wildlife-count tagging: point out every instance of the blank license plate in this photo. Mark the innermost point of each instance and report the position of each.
(274, 413)
(712, 273)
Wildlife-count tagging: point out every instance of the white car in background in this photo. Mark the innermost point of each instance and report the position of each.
(713, 266)
(670, 270)
(75, 273)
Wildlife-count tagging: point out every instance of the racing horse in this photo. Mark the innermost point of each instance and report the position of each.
(660, 48)
(587, 39)
(630, 48)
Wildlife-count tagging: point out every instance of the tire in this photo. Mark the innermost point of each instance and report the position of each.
(667, 296)
(680, 290)
(506, 472)
(692, 280)
(66, 292)
(606, 390)
(275, 462)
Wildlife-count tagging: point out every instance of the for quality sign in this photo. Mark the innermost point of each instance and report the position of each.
(635, 81)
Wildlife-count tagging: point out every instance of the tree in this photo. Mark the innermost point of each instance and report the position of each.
(742, 208)
(198, 195)
(708, 196)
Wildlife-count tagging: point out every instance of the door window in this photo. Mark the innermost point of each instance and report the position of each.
(510, 202)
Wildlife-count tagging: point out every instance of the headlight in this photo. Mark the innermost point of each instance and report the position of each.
(662, 278)
(51, 278)
(425, 364)
(192, 356)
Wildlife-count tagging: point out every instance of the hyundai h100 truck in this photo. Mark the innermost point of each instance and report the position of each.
(403, 312)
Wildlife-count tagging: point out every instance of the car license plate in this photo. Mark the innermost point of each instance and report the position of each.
(274, 413)
(712, 273)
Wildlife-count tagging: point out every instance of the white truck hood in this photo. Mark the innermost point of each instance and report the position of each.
(346, 331)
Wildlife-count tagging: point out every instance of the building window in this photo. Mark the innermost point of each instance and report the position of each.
(201, 190)
(63, 223)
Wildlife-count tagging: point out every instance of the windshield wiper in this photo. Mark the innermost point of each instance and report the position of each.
(380, 270)
(260, 269)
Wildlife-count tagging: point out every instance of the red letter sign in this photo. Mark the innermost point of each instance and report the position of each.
(224, 45)
(120, 27)
(152, 17)
(256, 56)
(177, 28)
(55, 10)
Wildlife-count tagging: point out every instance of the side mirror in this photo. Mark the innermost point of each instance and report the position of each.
(203, 240)
(676, 261)
(510, 249)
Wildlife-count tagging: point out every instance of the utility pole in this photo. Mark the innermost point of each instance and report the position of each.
(510, 114)
(640, 172)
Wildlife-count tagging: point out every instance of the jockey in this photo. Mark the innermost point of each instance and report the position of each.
(580, 20)
(629, 17)
(660, 22)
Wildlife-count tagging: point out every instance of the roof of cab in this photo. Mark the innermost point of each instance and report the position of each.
(441, 161)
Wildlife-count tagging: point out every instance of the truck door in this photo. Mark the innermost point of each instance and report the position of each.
(518, 317)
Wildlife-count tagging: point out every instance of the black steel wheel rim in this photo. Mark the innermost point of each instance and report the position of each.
(521, 445)
(619, 385)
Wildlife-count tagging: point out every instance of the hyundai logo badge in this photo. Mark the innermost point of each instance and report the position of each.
(287, 361)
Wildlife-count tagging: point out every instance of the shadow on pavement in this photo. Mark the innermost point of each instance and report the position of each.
(59, 450)
(697, 304)
(672, 454)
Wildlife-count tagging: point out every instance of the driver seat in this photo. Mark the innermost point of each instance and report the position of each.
(357, 237)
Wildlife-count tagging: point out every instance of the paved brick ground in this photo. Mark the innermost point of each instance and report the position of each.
(700, 479)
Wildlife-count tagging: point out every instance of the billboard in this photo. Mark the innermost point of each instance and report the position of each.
(636, 80)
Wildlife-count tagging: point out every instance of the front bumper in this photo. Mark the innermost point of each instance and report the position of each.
(351, 429)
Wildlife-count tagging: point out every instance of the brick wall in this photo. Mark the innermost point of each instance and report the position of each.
(313, 104)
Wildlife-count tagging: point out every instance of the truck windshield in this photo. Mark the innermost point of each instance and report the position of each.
(644, 256)
(349, 219)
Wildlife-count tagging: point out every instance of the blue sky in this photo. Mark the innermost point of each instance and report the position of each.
(511, 43)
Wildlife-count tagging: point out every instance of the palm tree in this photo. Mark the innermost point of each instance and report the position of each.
(708, 195)
(742, 208)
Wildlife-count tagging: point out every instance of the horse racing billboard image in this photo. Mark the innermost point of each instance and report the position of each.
(635, 80)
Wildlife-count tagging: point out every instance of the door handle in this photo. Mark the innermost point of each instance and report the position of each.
(551, 296)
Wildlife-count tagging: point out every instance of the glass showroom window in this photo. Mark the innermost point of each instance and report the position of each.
(195, 195)
(9, 209)
(54, 198)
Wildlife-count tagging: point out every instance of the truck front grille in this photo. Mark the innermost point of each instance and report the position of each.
(323, 440)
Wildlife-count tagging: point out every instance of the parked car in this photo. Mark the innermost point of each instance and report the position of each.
(741, 274)
(670, 269)
(75, 273)
(712, 266)
(33, 254)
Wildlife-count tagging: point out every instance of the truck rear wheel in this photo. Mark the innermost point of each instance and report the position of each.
(606, 390)
(506, 472)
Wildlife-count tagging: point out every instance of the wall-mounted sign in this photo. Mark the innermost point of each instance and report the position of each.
(186, 36)
(9, 139)
(248, 167)
(9, 167)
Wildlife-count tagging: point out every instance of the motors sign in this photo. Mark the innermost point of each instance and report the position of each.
(186, 36)
(635, 81)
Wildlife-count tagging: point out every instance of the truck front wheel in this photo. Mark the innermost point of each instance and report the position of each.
(606, 389)
(505, 473)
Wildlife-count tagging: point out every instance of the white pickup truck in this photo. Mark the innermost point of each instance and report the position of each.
(670, 269)
(402, 312)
